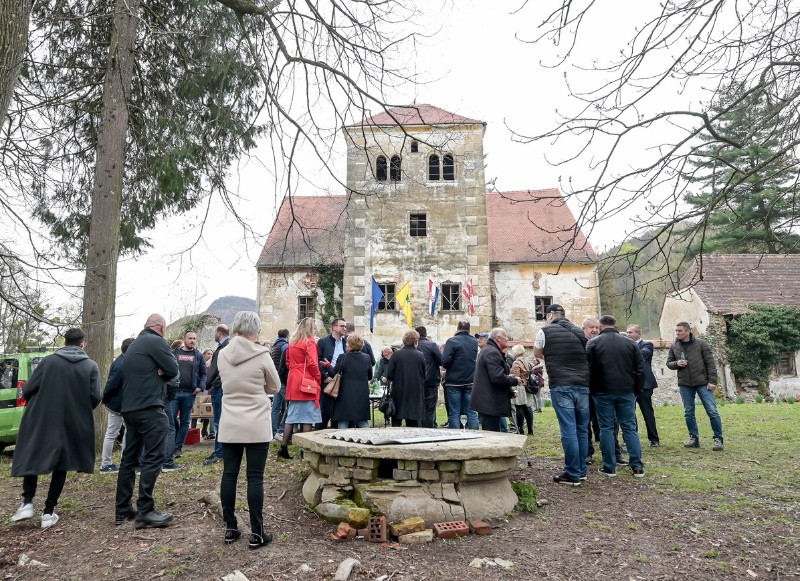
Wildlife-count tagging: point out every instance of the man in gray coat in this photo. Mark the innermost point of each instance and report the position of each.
(57, 430)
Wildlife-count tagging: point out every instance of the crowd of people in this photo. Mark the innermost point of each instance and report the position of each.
(299, 382)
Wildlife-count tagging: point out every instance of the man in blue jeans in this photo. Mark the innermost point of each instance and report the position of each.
(562, 345)
(215, 383)
(192, 368)
(616, 366)
(697, 375)
(459, 358)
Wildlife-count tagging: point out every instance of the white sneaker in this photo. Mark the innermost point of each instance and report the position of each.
(24, 511)
(49, 520)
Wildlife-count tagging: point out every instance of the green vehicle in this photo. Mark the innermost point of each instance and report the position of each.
(15, 369)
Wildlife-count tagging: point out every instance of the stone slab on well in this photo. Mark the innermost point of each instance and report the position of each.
(488, 465)
(490, 445)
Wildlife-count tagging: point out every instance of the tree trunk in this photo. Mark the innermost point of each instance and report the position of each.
(14, 20)
(100, 284)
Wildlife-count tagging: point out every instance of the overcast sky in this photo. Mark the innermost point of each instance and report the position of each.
(480, 69)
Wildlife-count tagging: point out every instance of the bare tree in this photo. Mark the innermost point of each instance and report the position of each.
(635, 146)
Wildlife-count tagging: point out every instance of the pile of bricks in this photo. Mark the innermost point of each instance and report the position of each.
(410, 531)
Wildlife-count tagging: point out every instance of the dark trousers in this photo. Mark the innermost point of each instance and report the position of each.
(232, 461)
(204, 425)
(490, 423)
(430, 399)
(645, 401)
(325, 409)
(56, 486)
(398, 423)
(524, 414)
(146, 438)
(216, 406)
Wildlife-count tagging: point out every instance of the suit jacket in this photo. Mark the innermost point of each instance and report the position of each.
(646, 347)
(325, 348)
(214, 381)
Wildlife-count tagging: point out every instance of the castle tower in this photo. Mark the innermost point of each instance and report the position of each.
(416, 211)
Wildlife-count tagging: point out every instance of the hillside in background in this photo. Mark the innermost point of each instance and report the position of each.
(226, 307)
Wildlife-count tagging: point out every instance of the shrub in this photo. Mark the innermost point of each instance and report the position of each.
(759, 398)
(548, 403)
(789, 399)
(527, 495)
(739, 399)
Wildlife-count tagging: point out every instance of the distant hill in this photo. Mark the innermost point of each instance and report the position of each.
(226, 307)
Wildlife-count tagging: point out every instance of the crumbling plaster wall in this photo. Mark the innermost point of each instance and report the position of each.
(277, 296)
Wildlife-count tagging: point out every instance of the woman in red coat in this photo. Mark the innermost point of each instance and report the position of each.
(301, 359)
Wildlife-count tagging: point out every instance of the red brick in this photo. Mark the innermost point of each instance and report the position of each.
(377, 529)
(479, 527)
(448, 530)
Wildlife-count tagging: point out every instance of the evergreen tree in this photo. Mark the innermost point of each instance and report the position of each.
(743, 181)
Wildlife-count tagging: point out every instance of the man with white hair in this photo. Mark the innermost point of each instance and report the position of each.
(493, 386)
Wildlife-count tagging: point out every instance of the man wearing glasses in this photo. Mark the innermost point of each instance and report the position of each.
(148, 366)
(330, 348)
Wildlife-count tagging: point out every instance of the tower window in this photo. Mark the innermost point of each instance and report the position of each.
(433, 168)
(414, 146)
(448, 167)
(541, 303)
(451, 297)
(394, 168)
(380, 169)
(418, 225)
(387, 302)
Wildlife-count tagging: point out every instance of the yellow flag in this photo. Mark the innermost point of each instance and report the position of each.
(403, 298)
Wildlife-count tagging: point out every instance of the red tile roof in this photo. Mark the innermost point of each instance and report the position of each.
(416, 115)
(534, 226)
(524, 227)
(309, 230)
(732, 281)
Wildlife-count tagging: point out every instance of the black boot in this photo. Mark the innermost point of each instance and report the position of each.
(232, 533)
(259, 540)
(284, 453)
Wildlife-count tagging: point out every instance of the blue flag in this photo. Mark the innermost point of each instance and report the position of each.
(377, 295)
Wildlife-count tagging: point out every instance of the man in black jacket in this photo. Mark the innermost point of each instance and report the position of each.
(617, 376)
(329, 348)
(148, 366)
(562, 345)
(433, 376)
(215, 388)
(278, 400)
(645, 399)
(492, 393)
(459, 358)
(112, 398)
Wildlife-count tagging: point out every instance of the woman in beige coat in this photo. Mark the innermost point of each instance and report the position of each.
(522, 403)
(249, 375)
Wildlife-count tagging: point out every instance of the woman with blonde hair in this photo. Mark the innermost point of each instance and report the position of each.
(248, 374)
(303, 363)
(522, 403)
(407, 374)
(355, 369)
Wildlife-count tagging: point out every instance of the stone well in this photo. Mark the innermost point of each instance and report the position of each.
(438, 481)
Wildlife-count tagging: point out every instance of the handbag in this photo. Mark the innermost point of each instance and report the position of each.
(332, 388)
(308, 385)
(386, 405)
(535, 381)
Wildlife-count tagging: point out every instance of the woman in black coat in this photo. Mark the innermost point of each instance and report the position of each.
(407, 374)
(355, 368)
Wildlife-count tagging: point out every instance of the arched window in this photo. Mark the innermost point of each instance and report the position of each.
(380, 169)
(448, 167)
(433, 168)
(394, 168)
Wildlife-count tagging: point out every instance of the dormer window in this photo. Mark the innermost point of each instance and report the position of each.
(380, 168)
(394, 168)
(433, 168)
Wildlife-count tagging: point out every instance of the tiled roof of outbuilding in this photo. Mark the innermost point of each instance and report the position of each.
(534, 226)
(732, 281)
(416, 115)
(309, 230)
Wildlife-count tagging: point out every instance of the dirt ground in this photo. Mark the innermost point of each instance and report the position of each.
(620, 528)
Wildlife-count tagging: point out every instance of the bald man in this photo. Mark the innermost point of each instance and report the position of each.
(148, 366)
